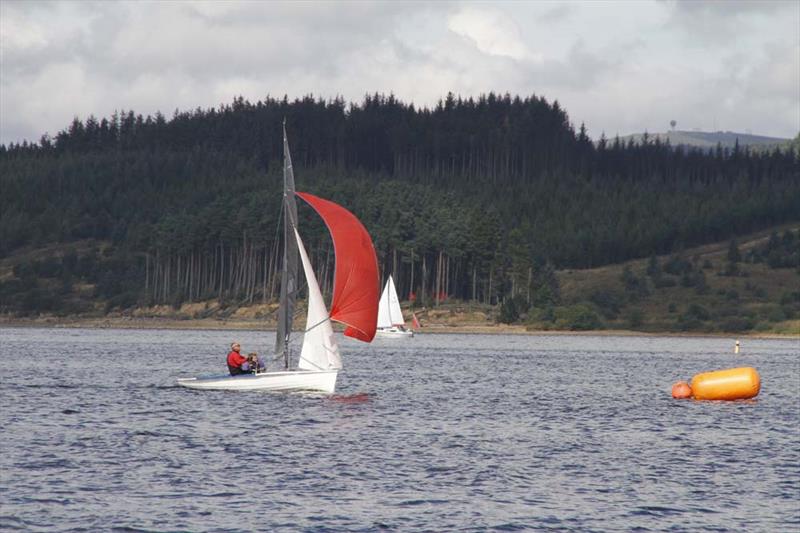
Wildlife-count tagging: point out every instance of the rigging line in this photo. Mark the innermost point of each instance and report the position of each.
(279, 357)
(275, 246)
(312, 363)
(326, 319)
(276, 358)
(297, 313)
(305, 283)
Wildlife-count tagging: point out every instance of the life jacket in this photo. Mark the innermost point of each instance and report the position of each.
(235, 370)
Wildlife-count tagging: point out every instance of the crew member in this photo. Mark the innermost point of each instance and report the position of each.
(236, 360)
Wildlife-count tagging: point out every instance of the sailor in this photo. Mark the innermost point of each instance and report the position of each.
(237, 363)
(254, 363)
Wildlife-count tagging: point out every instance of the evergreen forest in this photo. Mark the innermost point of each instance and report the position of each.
(476, 199)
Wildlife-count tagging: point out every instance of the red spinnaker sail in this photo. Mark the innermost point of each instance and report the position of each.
(356, 283)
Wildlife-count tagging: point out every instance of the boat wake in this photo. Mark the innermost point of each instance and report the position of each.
(359, 397)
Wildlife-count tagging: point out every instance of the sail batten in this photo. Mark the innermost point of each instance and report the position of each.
(355, 287)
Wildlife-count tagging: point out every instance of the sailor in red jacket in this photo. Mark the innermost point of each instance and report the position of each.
(236, 360)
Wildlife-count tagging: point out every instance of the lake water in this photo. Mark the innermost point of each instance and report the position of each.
(434, 433)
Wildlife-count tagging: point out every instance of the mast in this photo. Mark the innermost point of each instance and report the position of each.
(289, 272)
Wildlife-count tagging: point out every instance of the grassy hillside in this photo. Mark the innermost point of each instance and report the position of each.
(710, 139)
(699, 290)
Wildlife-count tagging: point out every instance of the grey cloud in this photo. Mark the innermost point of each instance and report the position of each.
(581, 69)
(777, 76)
(773, 87)
(125, 40)
(556, 14)
(722, 22)
(123, 50)
(732, 8)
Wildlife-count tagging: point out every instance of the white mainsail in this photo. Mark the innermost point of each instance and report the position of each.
(319, 351)
(389, 312)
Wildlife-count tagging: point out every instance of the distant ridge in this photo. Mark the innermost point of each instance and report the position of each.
(710, 139)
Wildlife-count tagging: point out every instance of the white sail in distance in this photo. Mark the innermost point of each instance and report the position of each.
(389, 312)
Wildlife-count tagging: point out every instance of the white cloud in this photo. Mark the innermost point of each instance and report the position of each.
(492, 32)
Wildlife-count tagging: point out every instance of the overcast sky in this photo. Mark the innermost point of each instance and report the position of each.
(620, 67)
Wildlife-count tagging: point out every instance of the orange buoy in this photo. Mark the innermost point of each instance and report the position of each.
(731, 384)
(681, 390)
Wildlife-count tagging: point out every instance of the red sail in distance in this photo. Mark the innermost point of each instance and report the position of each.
(356, 283)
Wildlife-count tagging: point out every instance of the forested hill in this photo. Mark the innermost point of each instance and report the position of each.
(475, 199)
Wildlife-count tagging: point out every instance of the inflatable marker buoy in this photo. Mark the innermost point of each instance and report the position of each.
(731, 384)
(681, 390)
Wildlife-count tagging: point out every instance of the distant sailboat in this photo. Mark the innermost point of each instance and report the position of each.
(355, 298)
(390, 317)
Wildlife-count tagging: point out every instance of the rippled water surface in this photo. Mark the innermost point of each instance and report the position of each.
(435, 433)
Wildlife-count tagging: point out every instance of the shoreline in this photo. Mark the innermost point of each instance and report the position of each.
(435, 328)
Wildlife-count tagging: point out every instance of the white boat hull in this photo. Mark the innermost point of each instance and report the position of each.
(290, 380)
(393, 333)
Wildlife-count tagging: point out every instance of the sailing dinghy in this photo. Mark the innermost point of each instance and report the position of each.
(354, 304)
(390, 317)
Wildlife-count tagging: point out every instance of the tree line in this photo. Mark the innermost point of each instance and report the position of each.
(475, 199)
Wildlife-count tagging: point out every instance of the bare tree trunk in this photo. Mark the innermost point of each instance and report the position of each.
(489, 294)
(474, 283)
(167, 278)
(447, 276)
(221, 269)
(178, 272)
(190, 276)
(253, 271)
(530, 279)
(188, 281)
(229, 286)
(412, 272)
(198, 274)
(155, 277)
(424, 279)
(266, 273)
(251, 267)
(212, 282)
(438, 283)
